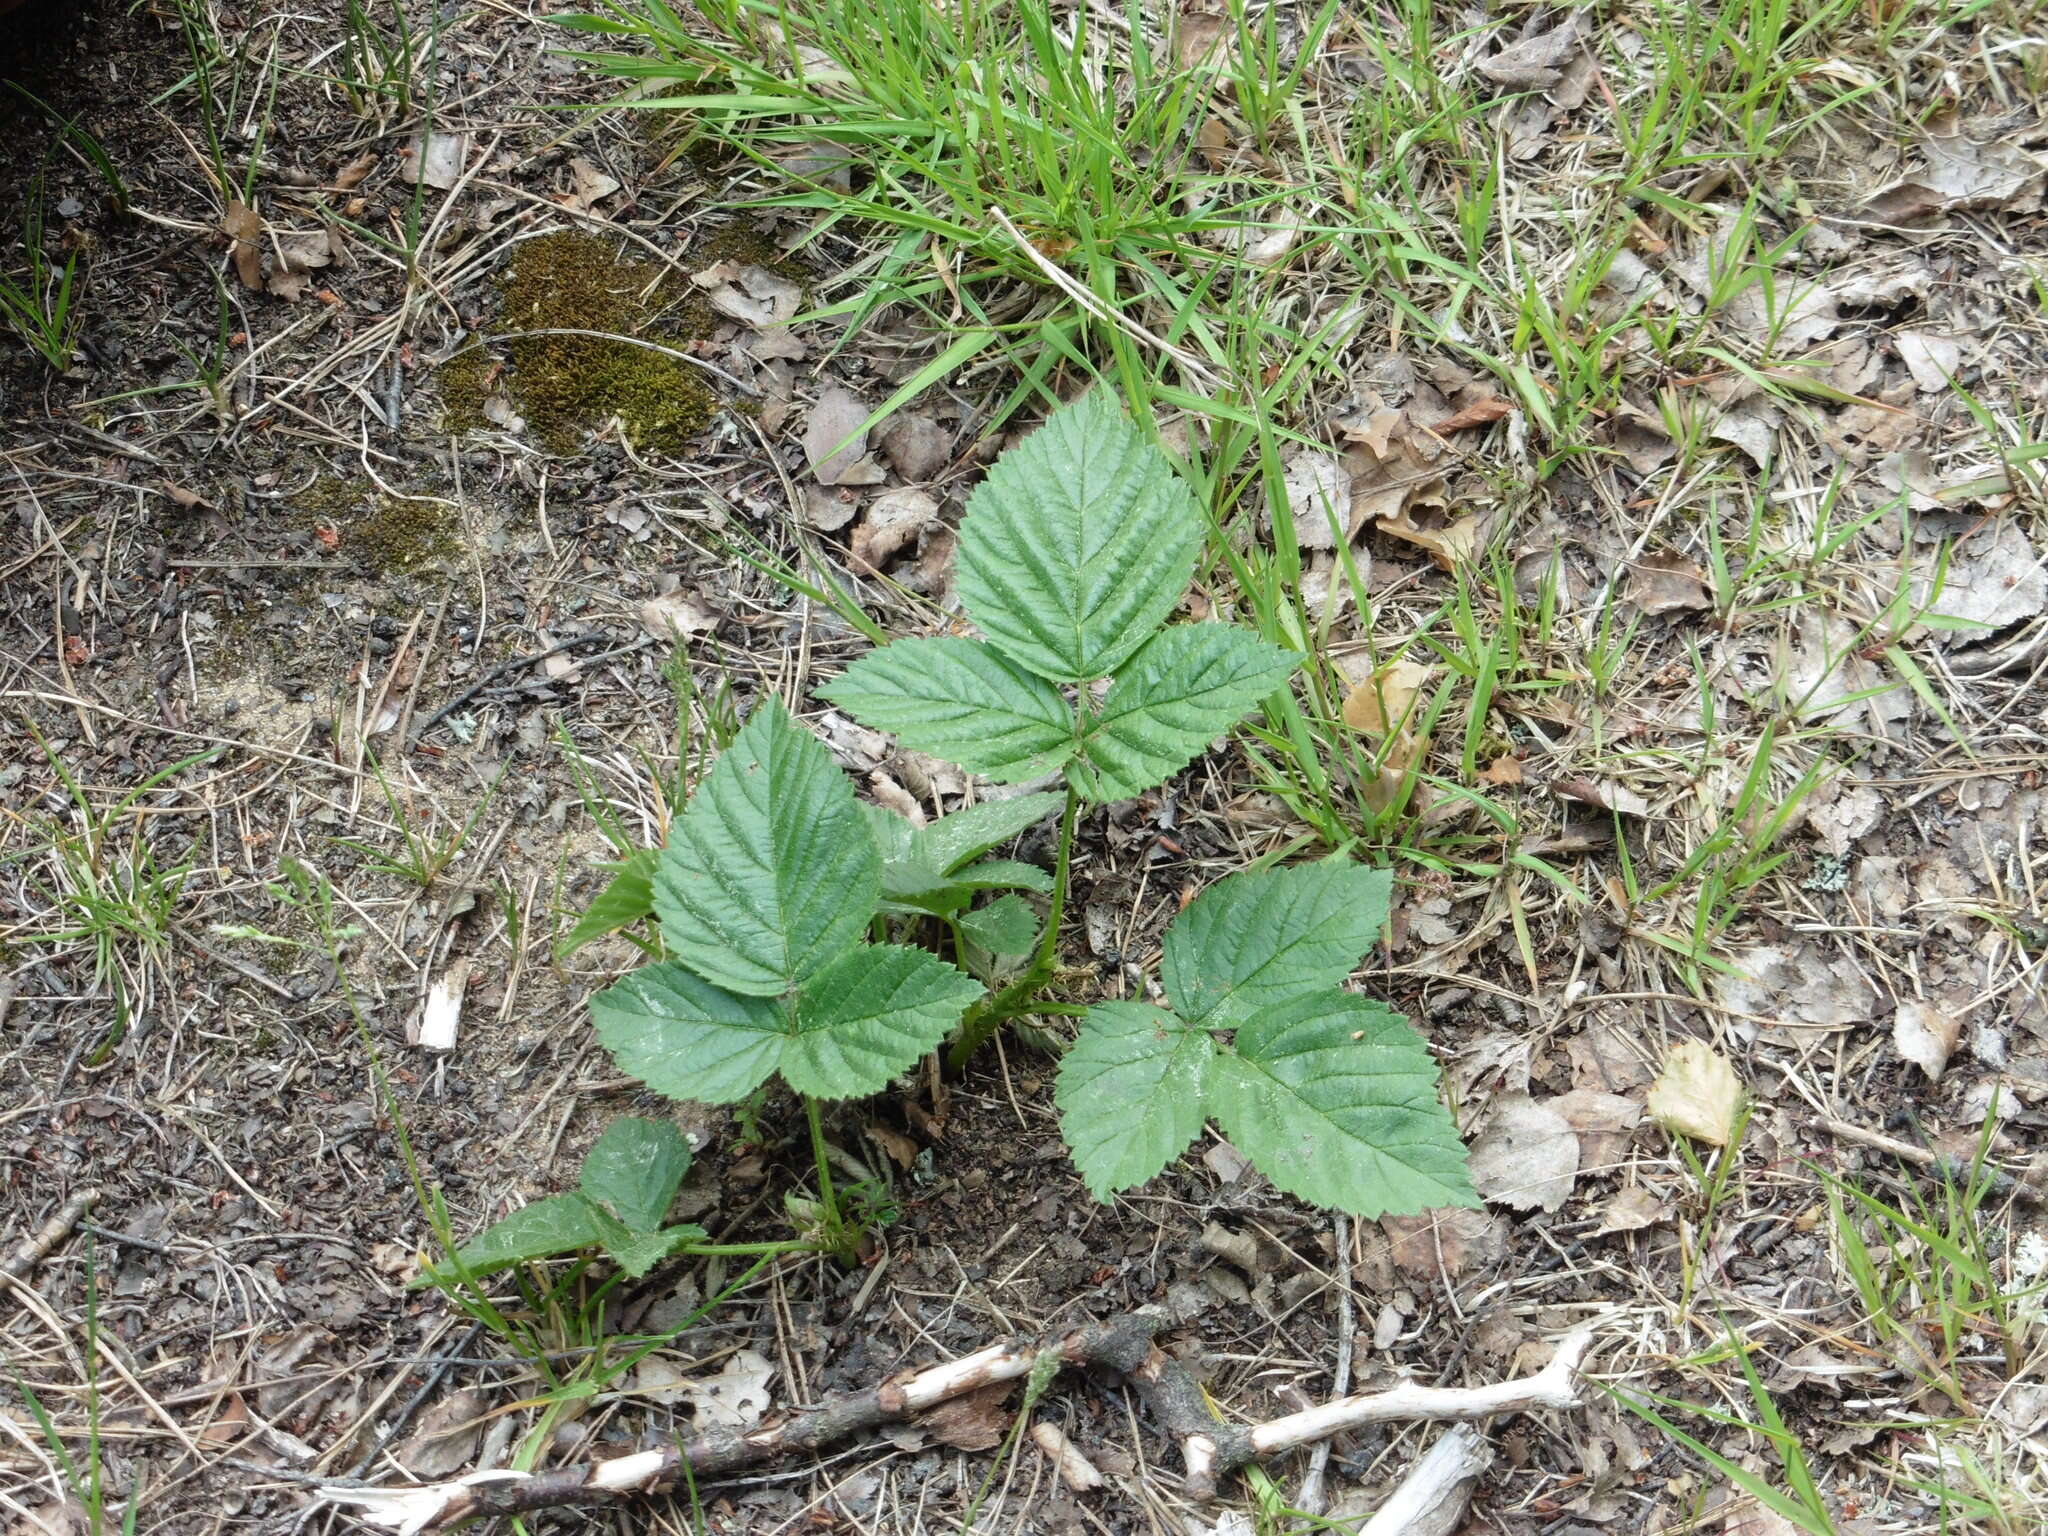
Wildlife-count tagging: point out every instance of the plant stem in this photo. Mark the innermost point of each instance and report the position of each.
(981, 1022)
(826, 1197)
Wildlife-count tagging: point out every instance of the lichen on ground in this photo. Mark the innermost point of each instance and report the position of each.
(567, 384)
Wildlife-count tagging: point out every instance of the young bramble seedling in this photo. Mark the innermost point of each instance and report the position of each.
(629, 1179)
(1074, 552)
(764, 894)
(1330, 1095)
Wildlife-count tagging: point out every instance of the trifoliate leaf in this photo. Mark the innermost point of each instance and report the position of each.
(1334, 1099)
(962, 701)
(1006, 926)
(1252, 942)
(952, 840)
(771, 873)
(634, 1170)
(626, 899)
(683, 1037)
(1187, 686)
(1077, 545)
(870, 1016)
(1130, 1093)
(558, 1224)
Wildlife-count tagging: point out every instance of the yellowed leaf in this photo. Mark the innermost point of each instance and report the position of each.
(1384, 701)
(1697, 1094)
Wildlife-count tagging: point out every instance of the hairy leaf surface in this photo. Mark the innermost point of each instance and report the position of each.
(870, 1016)
(1186, 687)
(771, 873)
(1255, 941)
(1131, 1093)
(1334, 1099)
(1078, 544)
(686, 1038)
(962, 701)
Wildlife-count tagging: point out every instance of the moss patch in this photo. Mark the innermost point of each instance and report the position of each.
(403, 533)
(568, 384)
(465, 381)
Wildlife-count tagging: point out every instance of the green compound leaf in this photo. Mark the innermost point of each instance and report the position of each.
(871, 1015)
(1253, 942)
(1130, 1093)
(1180, 692)
(771, 874)
(558, 1224)
(1077, 545)
(686, 1038)
(626, 899)
(952, 840)
(634, 1170)
(961, 701)
(1334, 1099)
(1006, 926)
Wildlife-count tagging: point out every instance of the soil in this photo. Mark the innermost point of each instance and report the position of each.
(280, 550)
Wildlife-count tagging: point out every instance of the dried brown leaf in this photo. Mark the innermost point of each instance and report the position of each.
(974, 1421)
(243, 226)
(1527, 1157)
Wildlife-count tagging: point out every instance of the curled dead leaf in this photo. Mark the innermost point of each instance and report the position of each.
(1926, 1035)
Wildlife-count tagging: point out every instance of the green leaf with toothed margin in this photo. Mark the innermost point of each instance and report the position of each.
(1078, 544)
(1334, 1098)
(1131, 1093)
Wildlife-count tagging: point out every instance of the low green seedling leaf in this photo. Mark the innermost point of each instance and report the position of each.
(630, 1177)
(626, 899)
(638, 1252)
(541, 1230)
(635, 1168)
(1253, 942)
(1077, 545)
(952, 840)
(1334, 1098)
(772, 872)
(686, 1038)
(870, 1017)
(1006, 926)
(1131, 1093)
(1185, 688)
(962, 701)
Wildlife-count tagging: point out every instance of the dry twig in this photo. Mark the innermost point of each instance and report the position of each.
(1210, 1449)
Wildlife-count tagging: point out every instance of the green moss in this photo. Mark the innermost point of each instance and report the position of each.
(465, 381)
(568, 384)
(741, 242)
(403, 533)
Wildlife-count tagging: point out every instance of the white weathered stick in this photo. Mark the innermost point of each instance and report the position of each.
(1210, 1449)
(1555, 1386)
(1432, 1497)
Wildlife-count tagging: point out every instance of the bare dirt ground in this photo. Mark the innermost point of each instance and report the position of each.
(289, 580)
